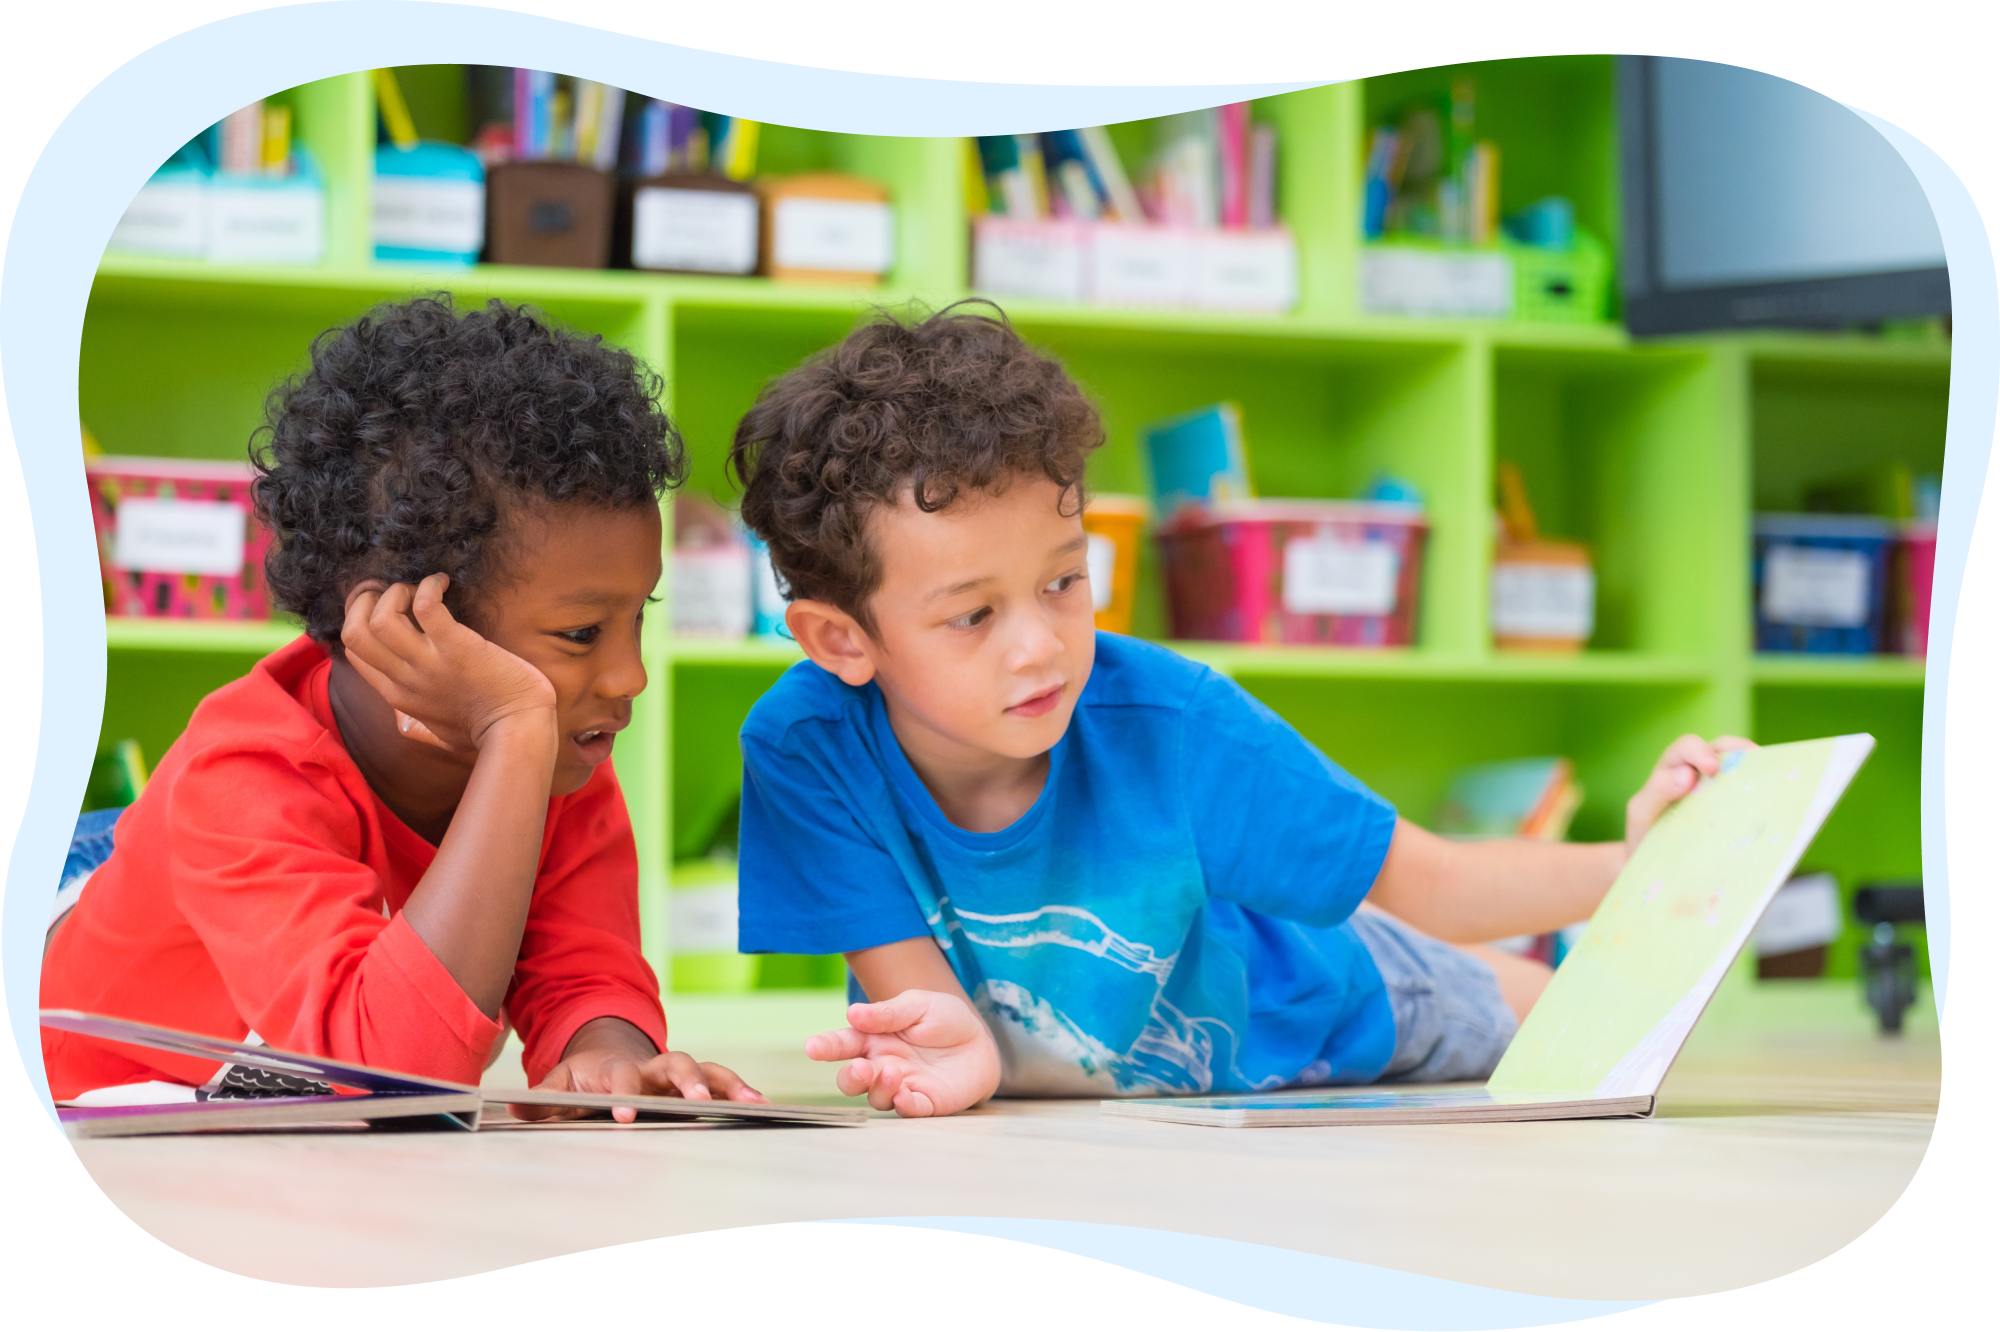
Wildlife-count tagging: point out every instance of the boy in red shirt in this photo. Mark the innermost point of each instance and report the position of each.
(402, 832)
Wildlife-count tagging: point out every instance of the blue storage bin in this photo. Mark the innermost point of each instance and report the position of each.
(1821, 582)
(430, 204)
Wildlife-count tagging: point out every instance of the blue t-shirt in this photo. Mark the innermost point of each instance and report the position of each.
(1169, 916)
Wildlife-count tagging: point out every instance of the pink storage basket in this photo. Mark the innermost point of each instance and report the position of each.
(1295, 571)
(191, 547)
(1919, 560)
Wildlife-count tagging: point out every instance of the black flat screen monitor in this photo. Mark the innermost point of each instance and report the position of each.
(1751, 201)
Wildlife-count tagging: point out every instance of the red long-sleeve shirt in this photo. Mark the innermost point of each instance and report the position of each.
(258, 885)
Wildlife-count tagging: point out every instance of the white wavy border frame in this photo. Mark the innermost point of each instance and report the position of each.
(102, 152)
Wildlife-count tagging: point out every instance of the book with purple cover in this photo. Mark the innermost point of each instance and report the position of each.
(380, 1095)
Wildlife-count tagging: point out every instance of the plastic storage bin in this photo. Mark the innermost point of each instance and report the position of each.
(177, 538)
(1821, 582)
(1115, 524)
(1295, 571)
(1917, 558)
(429, 204)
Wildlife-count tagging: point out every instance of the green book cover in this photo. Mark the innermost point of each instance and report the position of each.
(1618, 1009)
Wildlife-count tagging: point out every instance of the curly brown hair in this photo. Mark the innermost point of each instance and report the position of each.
(935, 405)
(417, 429)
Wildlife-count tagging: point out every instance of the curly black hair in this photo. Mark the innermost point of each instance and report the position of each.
(933, 405)
(416, 431)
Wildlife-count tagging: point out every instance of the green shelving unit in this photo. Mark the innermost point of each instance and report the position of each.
(1655, 453)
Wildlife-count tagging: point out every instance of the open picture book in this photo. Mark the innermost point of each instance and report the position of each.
(339, 1093)
(1617, 1011)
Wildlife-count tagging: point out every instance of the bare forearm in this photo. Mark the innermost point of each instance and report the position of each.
(471, 906)
(1472, 892)
(887, 970)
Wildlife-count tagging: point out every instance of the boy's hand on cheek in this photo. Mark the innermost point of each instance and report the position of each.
(1686, 762)
(920, 1053)
(449, 686)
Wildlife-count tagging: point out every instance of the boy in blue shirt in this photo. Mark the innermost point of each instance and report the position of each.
(1061, 862)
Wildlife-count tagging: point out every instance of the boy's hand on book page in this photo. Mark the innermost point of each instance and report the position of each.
(1686, 762)
(449, 686)
(616, 1072)
(920, 1053)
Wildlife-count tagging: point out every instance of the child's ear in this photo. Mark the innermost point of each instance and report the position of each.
(832, 639)
(365, 585)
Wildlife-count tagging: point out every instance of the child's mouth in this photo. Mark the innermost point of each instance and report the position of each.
(1039, 704)
(595, 746)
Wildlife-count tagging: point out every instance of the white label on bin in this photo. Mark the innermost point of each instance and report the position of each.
(702, 920)
(1413, 282)
(167, 217)
(1815, 587)
(833, 235)
(1325, 575)
(712, 592)
(1544, 601)
(1102, 557)
(253, 224)
(180, 536)
(1804, 914)
(704, 231)
(1245, 270)
(1042, 263)
(768, 594)
(1132, 265)
(426, 213)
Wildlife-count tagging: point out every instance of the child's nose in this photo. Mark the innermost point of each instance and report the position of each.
(1036, 643)
(624, 674)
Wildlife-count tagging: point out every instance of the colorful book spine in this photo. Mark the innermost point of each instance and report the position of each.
(242, 151)
(1263, 176)
(1232, 131)
(1122, 200)
(654, 146)
(395, 111)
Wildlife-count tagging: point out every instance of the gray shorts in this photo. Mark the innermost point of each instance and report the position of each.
(1451, 1023)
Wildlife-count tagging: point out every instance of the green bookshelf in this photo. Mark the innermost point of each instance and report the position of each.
(1656, 454)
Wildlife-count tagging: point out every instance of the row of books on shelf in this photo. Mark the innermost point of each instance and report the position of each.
(560, 172)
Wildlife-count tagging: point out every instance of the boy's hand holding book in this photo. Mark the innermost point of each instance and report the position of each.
(921, 1053)
(1685, 762)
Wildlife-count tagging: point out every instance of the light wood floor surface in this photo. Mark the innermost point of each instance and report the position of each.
(1773, 1147)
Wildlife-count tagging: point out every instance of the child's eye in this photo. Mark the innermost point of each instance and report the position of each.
(581, 637)
(972, 620)
(1064, 584)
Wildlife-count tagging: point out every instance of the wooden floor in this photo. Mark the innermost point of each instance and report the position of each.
(1787, 1128)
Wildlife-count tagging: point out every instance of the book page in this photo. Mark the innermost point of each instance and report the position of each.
(1625, 998)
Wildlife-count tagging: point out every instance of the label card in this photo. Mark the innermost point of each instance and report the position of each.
(703, 231)
(1040, 261)
(702, 920)
(266, 225)
(1414, 282)
(1816, 587)
(180, 537)
(1102, 557)
(1544, 601)
(1135, 265)
(1326, 575)
(712, 590)
(425, 213)
(165, 217)
(1245, 270)
(833, 235)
